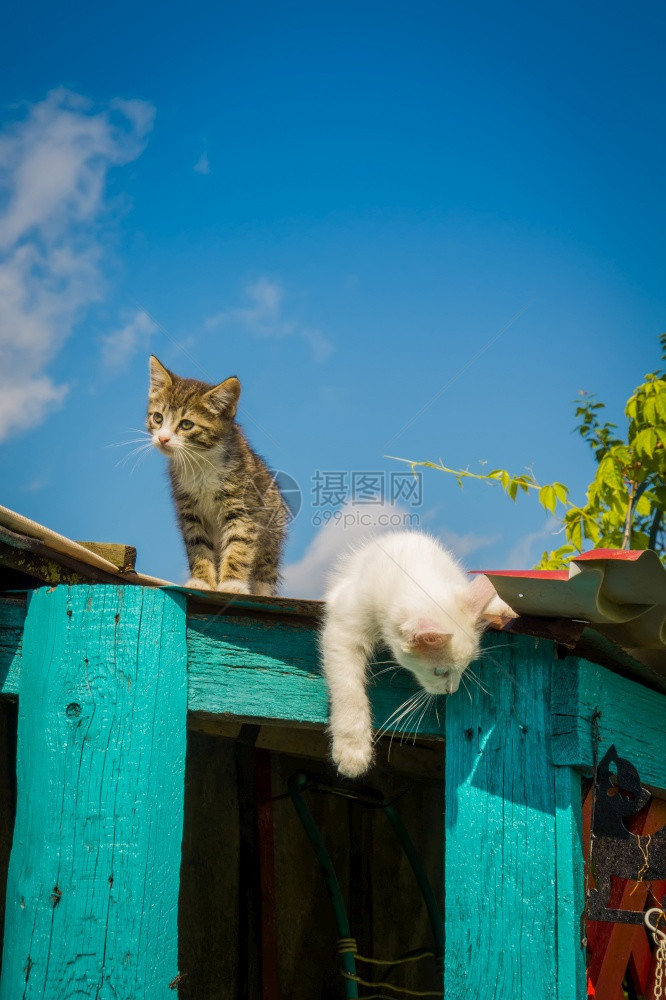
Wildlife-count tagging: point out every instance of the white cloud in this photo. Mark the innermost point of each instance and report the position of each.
(351, 525)
(463, 545)
(528, 549)
(120, 345)
(53, 168)
(202, 166)
(25, 404)
(264, 317)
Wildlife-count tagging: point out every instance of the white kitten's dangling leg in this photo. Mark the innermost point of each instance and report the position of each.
(345, 665)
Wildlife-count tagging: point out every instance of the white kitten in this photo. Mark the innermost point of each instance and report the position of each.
(405, 591)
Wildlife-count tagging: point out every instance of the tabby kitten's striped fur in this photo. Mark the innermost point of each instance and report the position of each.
(231, 513)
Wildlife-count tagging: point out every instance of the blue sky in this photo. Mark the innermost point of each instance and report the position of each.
(341, 203)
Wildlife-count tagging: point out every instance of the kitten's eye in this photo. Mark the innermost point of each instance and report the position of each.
(186, 425)
(157, 418)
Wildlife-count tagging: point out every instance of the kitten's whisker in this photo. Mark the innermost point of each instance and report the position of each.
(399, 713)
(426, 709)
(409, 721)
(406, 720)
(198, 456)
(134, 451)
(409, 724)
(123, 444)
(503, 670)
(186, 461)
(472, 676)
(395, 717)
(131, 454)
(386, 670)
(141, 458)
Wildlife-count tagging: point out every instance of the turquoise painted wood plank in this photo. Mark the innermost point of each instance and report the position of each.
(93, 881)
(632, 717)
(254, 666)
(239, 665)
(12, 618)
(569, 884)
(504, 838)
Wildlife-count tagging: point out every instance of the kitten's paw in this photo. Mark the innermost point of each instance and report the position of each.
(263, 590)
(353, 757)
(197, 584)
(233, 587)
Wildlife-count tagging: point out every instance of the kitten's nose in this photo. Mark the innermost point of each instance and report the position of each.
(163, 438)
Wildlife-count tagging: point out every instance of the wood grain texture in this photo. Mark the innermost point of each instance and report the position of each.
(246, 666)
(8, 727)
(93, 877)
(12, 620)
(239, 665)
(569, 883)
(632, 717)
(506, 936)
(122, 556)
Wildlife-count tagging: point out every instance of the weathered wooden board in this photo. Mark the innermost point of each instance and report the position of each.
(569, 884)
(242, 665)
(238, 665)
(12, 620)
(631, 716)
(513, 888)
(93, 878)
(122, 556)
(8, 726)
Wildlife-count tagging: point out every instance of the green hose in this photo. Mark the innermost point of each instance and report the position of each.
(297, 784)
(300, 782)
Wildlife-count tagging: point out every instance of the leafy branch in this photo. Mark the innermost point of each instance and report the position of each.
(626, 501)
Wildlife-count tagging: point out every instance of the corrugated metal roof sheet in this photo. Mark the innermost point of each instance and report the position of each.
(620, 593)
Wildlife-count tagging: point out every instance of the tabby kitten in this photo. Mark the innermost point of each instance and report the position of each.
(231, 513)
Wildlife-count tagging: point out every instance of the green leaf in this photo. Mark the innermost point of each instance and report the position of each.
(645, 442)
(661, 434)
(592, 531)
(610, 474)
(548, 498)
(650, 410)
(575, 534)
(643, 506)
(660, 403)
(561, 492)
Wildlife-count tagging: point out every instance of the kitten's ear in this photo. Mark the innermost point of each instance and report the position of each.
(225, 396)
(160, 377)
(479, 595)
(425, 637)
